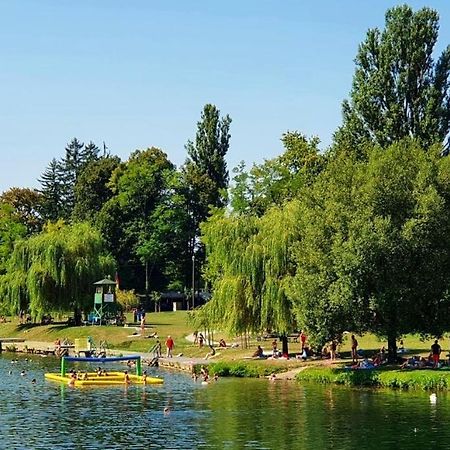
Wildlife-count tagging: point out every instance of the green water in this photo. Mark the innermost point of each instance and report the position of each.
(227, 414)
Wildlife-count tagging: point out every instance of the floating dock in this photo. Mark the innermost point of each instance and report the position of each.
(103, 379)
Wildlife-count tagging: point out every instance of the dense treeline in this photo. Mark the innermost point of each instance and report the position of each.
(95, 214)
(354, 237)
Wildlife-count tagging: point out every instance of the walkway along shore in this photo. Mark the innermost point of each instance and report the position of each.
(181, 363)
(49, 349)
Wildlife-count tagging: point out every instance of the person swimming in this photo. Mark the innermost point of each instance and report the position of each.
(73, 378)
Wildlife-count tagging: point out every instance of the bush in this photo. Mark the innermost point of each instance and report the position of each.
(398, 379)
(241, 369)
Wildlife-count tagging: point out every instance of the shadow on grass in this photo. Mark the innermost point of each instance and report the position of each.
(27, 326)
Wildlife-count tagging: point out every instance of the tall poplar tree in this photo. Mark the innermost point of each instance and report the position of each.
(398, 89)
(205, 174)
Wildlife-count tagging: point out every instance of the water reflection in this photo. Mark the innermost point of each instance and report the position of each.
(227, 414)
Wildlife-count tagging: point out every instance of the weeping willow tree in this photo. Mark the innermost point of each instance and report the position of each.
(248, 268)
(54, 270)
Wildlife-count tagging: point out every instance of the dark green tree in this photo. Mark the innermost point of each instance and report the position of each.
(52, 190)
(374, 253)
(92, 189)
(248, 268)
(205, 172)
(54, 270)
(72, 165)
(206, 157)
(27, 204)
(279, 179)
(11, 230)
(77, 157)
(398, 89)
(145, 221)
(90, 152)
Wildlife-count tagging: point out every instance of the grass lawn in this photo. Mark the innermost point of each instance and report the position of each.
(175, 324)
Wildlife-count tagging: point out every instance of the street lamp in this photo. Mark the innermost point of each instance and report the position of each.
(193, 281)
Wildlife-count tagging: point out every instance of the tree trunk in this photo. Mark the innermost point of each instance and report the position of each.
(77, 316)
(284, 346)
(392, 347)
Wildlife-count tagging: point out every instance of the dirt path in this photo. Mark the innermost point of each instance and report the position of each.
(290, 374)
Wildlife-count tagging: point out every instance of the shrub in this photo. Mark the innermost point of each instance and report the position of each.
(398, 379)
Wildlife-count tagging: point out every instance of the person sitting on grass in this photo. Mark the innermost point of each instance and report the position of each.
(211, 353)
(259, 353)
(222, 343)
(410, 363)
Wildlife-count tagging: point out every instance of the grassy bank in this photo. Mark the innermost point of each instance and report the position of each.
(251, 369)
(400, 379)
(234, 361)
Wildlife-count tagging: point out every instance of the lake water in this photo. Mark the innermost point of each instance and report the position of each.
(227, 414)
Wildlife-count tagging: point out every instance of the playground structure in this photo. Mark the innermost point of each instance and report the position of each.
(106, 379)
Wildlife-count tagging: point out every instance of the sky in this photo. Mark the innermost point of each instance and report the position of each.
(137, 73)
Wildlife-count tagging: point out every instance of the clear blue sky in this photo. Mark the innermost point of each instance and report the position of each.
(136, 73)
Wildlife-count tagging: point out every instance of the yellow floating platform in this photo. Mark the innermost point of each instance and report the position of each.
(112, 378)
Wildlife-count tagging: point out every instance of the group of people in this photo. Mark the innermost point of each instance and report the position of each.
(204, 375)
(420, 362)
(199, 339)
(74, 376)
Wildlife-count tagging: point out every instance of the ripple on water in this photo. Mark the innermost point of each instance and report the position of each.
(229, 414)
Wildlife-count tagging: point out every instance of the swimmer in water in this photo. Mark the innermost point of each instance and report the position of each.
(144, 377)
(72, 380)
(33, 381)
(166, 411)
(23, 373)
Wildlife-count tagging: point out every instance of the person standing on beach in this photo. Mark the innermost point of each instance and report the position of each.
(303, 340)
(169, 345)
(158, 349)
(333, 348)
(354, 349)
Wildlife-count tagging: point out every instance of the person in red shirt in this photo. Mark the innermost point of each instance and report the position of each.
(169, 344)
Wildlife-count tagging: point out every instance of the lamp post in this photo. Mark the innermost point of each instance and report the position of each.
(193, 281)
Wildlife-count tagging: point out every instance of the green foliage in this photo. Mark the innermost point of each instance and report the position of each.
(127, 299)
(27, 205)
(397, 379)
(52, 189)
(398, 89)
(92, 189)
(205, 174)
(145, 220)
(277, 180)
(248, 268)
(60, 178)
(206, 165)
(11, 230)
(55, 270)
(241, 369)
(374, 248)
